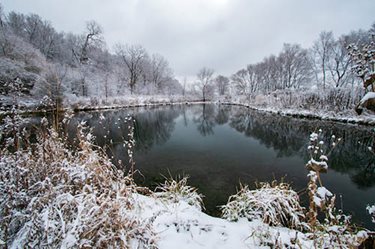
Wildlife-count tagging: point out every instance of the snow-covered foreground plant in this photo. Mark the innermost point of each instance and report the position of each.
(275, 204)
(178, 190)
(336, 230)
(51, 197)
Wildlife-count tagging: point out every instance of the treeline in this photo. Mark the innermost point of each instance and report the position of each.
(48, 68)
(44, 62)
(326, 64)
(323, 75)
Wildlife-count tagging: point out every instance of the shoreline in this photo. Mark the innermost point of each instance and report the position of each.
(296, 113)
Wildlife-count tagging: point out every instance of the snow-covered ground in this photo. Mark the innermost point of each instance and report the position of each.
(180, 225)
(345, 117)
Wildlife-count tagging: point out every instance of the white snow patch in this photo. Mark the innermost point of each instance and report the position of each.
(369, 95)
(180, 225)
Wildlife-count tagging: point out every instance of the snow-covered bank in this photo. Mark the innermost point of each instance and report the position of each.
(138, 102)
(180, 225)
(260, 103)
(347, 117)
(90, 104)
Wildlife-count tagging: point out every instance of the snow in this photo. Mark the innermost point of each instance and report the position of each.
(347, 116)
(323, 193)
(369, 95)
(371, 210)
(180, 225)
(313, 136)
(322, 164)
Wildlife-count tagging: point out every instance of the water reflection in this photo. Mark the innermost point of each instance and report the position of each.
(205, 120)
(289, 136)
(220, 145)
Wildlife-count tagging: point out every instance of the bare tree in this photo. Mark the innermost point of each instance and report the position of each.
(340, 62)
(2, 22)
(222, 84)
(4, 40)
(239, 79)
(323, 49)
(184, 86)
(205, 81)
(132, 57)
(32, 26)
(17, 23)
(160, 71)
(93, 36)
(296, 67)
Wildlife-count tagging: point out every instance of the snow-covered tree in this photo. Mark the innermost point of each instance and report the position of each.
(363, 60)
(323, 51)
(205, 82)
(92, 37)
(296, 68)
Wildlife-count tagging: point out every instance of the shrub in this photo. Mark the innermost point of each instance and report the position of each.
(178, 190)
(275, 204)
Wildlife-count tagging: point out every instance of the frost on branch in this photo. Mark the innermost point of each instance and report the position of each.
(275, 204)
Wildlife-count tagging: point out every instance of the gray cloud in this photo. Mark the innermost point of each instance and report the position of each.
(222, 34)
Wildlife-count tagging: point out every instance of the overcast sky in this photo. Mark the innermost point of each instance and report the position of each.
(224, 35)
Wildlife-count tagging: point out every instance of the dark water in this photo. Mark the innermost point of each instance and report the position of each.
(220, 146)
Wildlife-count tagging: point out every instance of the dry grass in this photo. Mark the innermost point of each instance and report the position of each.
(274, 203)
(52, 197)
(178, 190)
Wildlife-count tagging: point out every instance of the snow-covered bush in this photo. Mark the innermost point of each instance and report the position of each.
(51, 197)
(178, 190)
(275, 204)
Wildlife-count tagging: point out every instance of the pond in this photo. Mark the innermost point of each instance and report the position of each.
(221, 146)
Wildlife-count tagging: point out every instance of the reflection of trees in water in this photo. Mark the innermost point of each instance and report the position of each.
(365, 178)
(223, 112)
(289, 136)
(155, 126)
(271, 130)
(205, 120)
(286, 135)
(152, 126)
